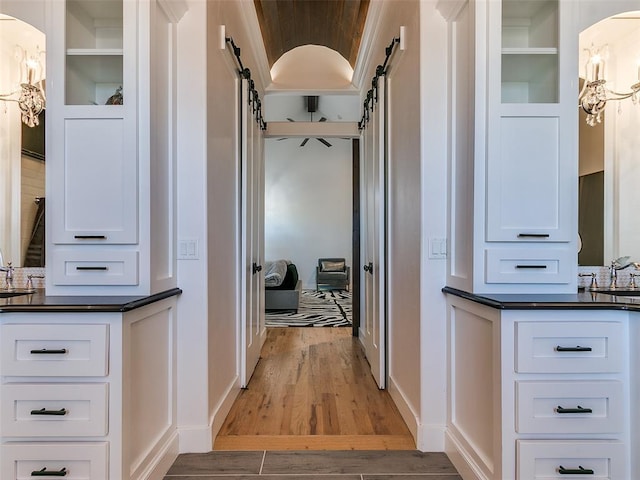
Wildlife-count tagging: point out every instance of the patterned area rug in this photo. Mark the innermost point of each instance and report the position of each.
(327, 308)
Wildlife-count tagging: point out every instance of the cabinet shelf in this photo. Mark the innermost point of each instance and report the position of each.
(94, 51)
(530, 51)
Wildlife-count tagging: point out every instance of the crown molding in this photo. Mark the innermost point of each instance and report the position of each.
(363, 61)
(174, 9)
(254, 33)
(449, 9)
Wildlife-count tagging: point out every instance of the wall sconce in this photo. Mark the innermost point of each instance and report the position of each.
(30, 95)
(594, 95)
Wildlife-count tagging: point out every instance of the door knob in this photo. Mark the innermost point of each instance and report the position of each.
(256, 268)
(368, 268)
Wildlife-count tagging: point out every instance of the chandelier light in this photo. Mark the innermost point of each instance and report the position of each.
(30, 93)
(595, 94)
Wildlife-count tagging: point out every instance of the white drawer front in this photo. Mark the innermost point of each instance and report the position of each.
(569, 347)
(78, 461)
(54, 410)
(54, 350)
(94, 267)
(528, 266)
(569, 407)
(547, 460)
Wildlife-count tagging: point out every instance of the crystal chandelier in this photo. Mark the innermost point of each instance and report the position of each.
(594, 95)
(30, 95)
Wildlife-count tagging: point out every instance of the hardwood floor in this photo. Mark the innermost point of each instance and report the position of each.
(312, 389)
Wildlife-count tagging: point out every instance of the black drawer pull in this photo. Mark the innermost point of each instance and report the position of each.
(577, 348)
(578, 409)
(42, 411)
(101, 269)
(533, 235)
(90, 237)
(49, 473)
(44, 351)
(575, 471)
(531, 266)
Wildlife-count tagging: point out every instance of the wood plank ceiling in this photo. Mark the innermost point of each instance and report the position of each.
(287, 24)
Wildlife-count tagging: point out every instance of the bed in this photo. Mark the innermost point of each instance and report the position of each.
(282, 286)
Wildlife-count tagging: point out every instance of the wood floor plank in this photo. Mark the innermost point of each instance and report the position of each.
(314, 442)
(313, 384)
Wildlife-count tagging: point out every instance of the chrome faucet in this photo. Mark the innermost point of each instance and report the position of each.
(594, 280)
(617, 264)
(29, 285)
(8, 277)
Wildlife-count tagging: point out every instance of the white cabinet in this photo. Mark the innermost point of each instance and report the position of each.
(110, 78)
(88, 395)
(94, 146)
(539, 394)
(521, 216)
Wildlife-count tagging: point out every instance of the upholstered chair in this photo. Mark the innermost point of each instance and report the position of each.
(332, 274)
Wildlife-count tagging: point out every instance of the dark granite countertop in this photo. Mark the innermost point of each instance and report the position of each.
(587, 299)
(39, 302)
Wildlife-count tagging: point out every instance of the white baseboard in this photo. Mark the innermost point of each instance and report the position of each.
(222, 409)
(431, 438)
(160, 465)
(195, 439)
(406, 412)
(464, 463)
(199, 438)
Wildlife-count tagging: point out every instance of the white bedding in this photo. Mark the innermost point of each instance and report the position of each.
(275, 272)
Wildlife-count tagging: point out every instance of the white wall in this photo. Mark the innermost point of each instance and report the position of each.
(193, 322)
(308, 203)
(416, 209)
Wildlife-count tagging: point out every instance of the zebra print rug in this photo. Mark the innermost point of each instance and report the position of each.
(327, 308)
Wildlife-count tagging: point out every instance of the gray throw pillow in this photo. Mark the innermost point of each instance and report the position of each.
(327, 266)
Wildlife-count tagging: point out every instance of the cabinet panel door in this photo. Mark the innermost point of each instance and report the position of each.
(99, 180)
(525, 179)
(581, 407)
(549, 459)
(54, 409)
(73, 461)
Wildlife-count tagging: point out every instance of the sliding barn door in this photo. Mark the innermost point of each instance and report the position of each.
(253, 330)
(373, 326)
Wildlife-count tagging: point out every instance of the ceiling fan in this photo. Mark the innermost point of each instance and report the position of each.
(311, 102)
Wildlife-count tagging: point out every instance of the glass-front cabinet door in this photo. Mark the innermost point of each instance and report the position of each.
(529, 55)
(94, 52)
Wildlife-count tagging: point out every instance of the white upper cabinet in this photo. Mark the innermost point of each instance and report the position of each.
(111, 146)
(513, 172)
(94, 144)
(531, 150)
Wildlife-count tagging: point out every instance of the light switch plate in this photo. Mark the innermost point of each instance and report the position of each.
(188, 249)
(438, 248)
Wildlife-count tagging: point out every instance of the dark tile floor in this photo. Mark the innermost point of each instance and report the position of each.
(314, 465)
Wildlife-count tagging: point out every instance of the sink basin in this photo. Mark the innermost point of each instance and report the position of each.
(621, 292)
(12, 294)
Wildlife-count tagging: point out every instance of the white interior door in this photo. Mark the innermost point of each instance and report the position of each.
(373, 330)
(251, 249)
